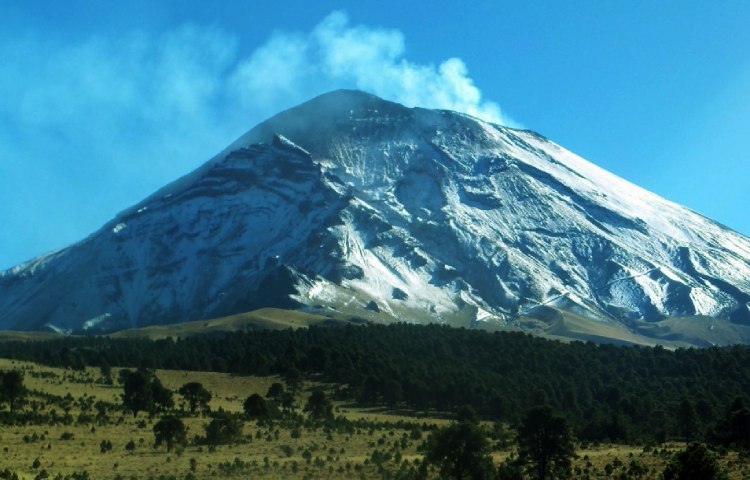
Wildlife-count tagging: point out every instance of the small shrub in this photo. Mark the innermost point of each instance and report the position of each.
(42, 475)
(105, 446)
(224, 428)
(8, 474)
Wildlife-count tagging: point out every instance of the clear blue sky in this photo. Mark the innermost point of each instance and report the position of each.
(101, 103)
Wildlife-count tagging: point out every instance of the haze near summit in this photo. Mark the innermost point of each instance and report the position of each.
(138, 111)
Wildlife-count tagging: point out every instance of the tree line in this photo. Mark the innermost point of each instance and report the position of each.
(545, 443)
(605, 392)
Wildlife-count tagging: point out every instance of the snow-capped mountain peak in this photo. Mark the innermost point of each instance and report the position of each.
(355, 206)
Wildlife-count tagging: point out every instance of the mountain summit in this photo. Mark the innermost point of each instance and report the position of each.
(353, 206)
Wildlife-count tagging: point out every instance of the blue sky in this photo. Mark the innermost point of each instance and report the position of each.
(101, 103)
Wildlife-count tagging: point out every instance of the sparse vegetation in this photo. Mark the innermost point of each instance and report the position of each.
(605, 392)
(80, 426)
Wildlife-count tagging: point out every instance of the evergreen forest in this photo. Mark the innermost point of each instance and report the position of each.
(605, 392)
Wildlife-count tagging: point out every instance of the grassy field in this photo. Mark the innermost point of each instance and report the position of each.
(380, 445)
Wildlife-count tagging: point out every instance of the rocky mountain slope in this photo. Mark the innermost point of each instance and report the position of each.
(349, 205)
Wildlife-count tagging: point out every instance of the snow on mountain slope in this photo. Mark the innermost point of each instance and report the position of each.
(376, 210)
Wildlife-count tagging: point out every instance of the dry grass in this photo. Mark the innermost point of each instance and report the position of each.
(265, 318)
(264, 452)
(82, 452)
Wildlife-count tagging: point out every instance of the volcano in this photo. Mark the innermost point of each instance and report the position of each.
(353, 206)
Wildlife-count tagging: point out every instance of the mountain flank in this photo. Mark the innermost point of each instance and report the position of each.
(350, 206)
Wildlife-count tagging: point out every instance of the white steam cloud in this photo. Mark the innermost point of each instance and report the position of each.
(90, 128)
(336, 54)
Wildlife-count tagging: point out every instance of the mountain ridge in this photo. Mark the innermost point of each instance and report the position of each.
(360, 206)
